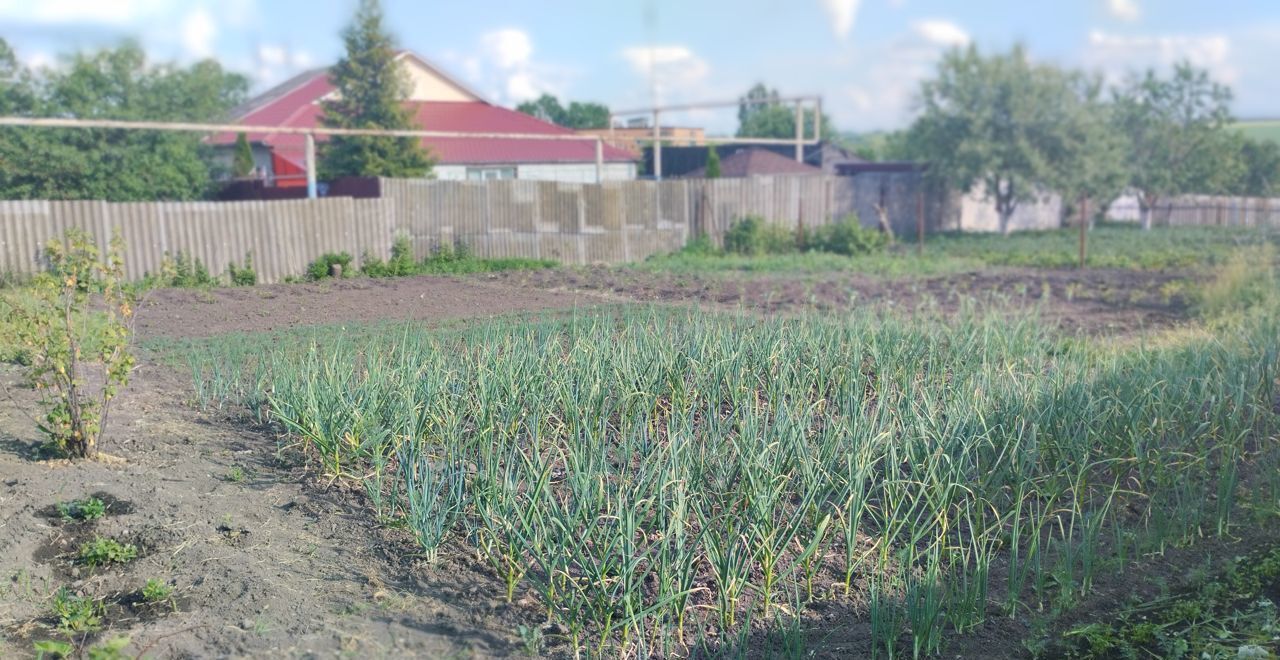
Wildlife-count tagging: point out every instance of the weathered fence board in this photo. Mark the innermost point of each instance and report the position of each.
(570, 222)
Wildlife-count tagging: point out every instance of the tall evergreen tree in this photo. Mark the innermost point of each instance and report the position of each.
(242, 163)
(372, 88)
(713, 163)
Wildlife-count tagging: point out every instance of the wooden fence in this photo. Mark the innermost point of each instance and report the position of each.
(569, 222)
(1202, 210)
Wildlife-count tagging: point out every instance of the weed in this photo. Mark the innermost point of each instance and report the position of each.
(530, 639)
(76, 614)
(112, 649)
(90, 508)
(234, 475)
(102, 551)
(51, 648)
(243, 275)
(754, 236)
(323, 267)
(156, 591)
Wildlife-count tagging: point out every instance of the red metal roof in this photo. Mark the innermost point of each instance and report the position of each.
(299, 108)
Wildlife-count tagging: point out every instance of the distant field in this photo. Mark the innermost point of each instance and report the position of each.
(1260, 129)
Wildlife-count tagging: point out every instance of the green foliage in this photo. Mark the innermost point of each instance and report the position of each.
(1246, 281)
(102, 551)
(76, 323)
(76, 614)
(762, 115)
(322, 268)
(90, 508)
(1175, 135)
(112, 165)
(372, 88)
(235, 475)
(242, 165)
(156, 591)
(1230, 616)
(51, 648)
(1010, 129)
(936, 457)
(1262, 168)
(713, 163)
(184, 272)
(848, 237)
(455, 259)
(753, 236)
(243, 275)
(577, 116)
(112, 649)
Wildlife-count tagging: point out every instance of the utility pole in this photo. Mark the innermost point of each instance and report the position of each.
(657, 148)
(311, 166)
(1084, 227)
(799, 131)
(920, 222)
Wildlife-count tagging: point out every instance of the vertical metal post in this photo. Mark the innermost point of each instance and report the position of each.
(311, 166)
(1084, 227)
(799, 131)
(599, 160)
(920, 221)
(817, 120)
(657, 148)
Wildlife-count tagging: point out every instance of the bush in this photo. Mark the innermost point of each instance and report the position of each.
(401, 263)
(102, 551)
(77, 323)
(1247, 280)
(752, 236)
(243, 275)
(185, 271)
(849, 237)
(322, 267)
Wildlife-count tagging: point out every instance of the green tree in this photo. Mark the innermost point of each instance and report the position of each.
(1000, 125)
(113, 165)
(713, 163)
(761, 114)
(242, 166)
(371, 92)
(1091, 163)
(577, 115)
(1261, 160)
(1177, 142)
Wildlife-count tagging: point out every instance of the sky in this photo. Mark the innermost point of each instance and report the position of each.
(866, 58)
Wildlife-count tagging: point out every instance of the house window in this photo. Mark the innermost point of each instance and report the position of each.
(490, 173)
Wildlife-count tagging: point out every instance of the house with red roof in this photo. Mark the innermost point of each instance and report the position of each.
(439, 102)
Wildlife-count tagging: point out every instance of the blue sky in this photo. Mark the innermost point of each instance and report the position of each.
(865, 57)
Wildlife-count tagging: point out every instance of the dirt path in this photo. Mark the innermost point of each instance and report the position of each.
(264, 560)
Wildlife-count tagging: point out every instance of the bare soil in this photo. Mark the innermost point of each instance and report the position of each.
(268, 558)
(1091, 301)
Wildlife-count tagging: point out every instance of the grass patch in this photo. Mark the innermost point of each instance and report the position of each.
(1110, 246)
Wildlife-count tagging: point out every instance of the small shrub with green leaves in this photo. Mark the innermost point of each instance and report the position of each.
(752, 236)
(849, 237)
(112, 649)
(102, 551)
(52, 648)
(156, 591)
(243, 275)
(90, 508)
(76, 613)
(76, 329)
(322, 267)
(235, 474)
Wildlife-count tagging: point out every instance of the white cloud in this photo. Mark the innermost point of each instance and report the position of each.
(1125, 10)
(273, 63)
(672, 70)
(1117, 54)
(507, 48)
(198, 30)
(941, 33)
(842, 13)
(504, 66)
